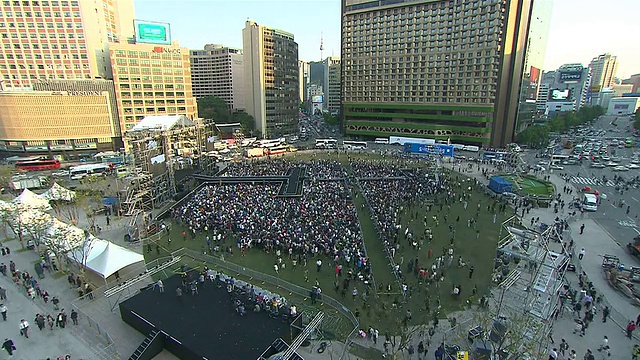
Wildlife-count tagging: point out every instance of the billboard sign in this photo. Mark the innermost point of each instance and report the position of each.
(557, 94)
(437, 149)
(621, 106)
(150, 32)
(534, 81)
(316, 99)
(571, 76)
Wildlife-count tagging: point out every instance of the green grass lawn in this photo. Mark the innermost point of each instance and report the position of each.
(377, 309)
(530, 185)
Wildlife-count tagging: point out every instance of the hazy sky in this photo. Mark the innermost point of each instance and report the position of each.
(579, 31)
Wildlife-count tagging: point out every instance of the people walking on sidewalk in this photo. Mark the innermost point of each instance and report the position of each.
(582, 252)
(8, 346)
(630, 328)
(564, 346)
(604, 346)
(581, 230)
(3, 311)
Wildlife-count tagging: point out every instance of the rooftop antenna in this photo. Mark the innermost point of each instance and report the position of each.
(321, 46)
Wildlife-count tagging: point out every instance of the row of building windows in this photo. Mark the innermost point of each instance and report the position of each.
(150, 86)
(44, 66)
(151, 110)
(26, 4)
(38, 14)
(152, 102)
(46, 47)
(76, 76)
(40, 25)
(147, 62)
(147, 55)
(157, 94)
(166, 79)
(148, 71)
(417, 99)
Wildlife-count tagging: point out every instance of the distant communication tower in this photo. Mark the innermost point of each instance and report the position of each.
(321, 47)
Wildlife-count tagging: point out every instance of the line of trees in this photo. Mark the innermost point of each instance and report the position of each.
(636, 120)
(215, 108)
(537, 136)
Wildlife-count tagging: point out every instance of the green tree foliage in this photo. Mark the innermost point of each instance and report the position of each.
(636, 121)
(537, 136)
(216, 109)
(212, 107)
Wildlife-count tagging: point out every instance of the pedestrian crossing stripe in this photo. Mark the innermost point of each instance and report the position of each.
(591, 181)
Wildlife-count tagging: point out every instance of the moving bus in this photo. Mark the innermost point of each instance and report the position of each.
(82, 171)
(383, 141)
(354, 145)
(38, 165)
(326, 143)
(558, 158)
(400, 140)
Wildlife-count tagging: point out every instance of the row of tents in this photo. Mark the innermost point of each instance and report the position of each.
(33, 211)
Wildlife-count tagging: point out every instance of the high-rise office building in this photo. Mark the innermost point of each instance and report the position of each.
(218, 71)
(151, 80)
(303, 79)
(332, 84)
(603, 71)
(442, 69)
(565, 89)
(633, 80)
(60, 39)
(271, 79)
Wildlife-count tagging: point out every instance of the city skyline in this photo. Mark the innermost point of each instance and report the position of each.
(572, 38)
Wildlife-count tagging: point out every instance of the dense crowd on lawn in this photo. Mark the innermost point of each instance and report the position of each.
(377, 168)
(322, 221)
(316, 169)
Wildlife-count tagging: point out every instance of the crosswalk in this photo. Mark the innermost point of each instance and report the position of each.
(591, 181)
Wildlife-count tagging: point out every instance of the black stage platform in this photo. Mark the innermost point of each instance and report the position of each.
(204, 325)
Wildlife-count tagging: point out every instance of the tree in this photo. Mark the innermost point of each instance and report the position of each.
(213, 107)
(535, 136)
(247, 122)
(36, 223)
(81, 253)
(63, 238)
(636, 121)
(6, 173)
(11, 215)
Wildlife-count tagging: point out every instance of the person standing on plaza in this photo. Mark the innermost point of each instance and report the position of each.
(630, 328)
(581, 254)
(564, 346)
(605, 313)
(604, 345)
(3, 310)
(581, 229)
(74, 317)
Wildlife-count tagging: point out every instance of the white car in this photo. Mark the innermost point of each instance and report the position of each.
(620, 168)
(61, 173)
(598, 165)
(556, 167)
(633, 166)
(611, 163)
(635, 161)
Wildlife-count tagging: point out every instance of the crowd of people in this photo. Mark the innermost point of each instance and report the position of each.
(323, 221)
(320, 169)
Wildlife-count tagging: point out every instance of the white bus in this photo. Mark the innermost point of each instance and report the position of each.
(590, 202)
(272, 143)
(400, 140)
(471, 148)
(383, 141)
(354, 145)
(326, 143)
(558, 158)
(82, 171)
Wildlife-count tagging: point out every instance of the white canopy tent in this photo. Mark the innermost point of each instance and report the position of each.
(32, 201)
(104, 257)
(58, 193)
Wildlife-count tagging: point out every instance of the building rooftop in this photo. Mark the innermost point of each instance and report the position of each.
(162, 122)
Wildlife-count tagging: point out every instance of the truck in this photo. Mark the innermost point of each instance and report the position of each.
(36, 182)
(255, 152)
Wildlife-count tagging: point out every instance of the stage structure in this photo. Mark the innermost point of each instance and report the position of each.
(156, 146)
(516, 322)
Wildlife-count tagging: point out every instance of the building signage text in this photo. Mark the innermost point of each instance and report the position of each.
(85, 93)
(168, 50)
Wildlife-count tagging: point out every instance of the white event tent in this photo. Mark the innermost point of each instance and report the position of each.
(104, 257)
(32, 201)
(73, 236)
(58, 193)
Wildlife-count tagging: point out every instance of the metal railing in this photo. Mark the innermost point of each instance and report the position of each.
(231, 268)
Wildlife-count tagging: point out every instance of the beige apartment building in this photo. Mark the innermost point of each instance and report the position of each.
(60, 39)
(332, 84)
(151, 80)
(69, 122)
(218, 71)
(272, 87)
(603, 71)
